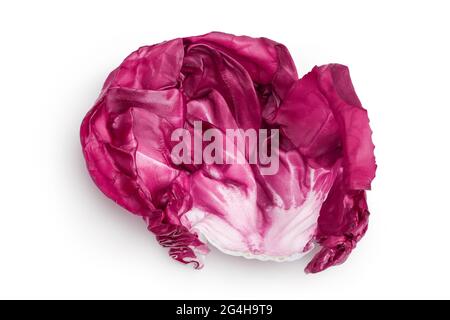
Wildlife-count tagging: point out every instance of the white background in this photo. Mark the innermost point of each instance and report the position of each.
(61, 238)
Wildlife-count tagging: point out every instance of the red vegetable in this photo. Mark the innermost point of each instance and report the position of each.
(325, 154)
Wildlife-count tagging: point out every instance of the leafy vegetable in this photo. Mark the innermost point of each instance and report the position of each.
(326, 159)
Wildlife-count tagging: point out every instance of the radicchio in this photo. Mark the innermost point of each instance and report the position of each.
(326, 160)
